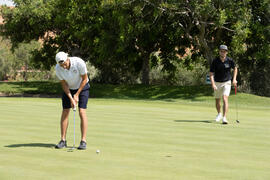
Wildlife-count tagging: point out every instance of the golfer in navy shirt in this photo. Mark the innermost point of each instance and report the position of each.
(220, 76)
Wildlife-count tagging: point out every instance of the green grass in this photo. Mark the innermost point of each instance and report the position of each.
(135, 92)
(147, 139)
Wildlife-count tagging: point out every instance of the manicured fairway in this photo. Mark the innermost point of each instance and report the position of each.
(137, 140)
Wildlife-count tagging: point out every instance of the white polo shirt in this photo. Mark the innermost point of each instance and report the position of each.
(72, 75)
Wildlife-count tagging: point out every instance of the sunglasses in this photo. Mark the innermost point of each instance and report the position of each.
(222, 50)
(61, 62)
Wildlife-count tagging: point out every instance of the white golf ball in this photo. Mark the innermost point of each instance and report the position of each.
(98, 151)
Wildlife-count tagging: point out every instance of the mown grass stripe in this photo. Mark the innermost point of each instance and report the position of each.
(137, 139)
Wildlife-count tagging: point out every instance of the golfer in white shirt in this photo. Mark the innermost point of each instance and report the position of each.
(72, 73)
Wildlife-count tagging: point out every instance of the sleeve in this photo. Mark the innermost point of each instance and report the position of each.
(212, 66)
(82, 67)
(58, 75)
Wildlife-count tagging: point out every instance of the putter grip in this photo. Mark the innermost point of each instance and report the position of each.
(74, 109)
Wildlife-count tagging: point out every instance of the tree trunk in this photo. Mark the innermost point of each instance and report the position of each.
(209, 55)
(145, 70)
(25, 72)
(204, 45)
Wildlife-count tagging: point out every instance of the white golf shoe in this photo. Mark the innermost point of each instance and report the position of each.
(224, 120)
(218, 117)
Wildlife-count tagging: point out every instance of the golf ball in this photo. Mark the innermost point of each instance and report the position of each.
(98, 151)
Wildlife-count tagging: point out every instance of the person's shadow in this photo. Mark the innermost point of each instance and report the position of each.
(193, 121)
(44, 145)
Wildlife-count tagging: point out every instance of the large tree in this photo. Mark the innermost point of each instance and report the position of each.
(209, 23)
(116, 36)
(143, 29)
(52, 22)
(171, 27)
(120, 36)
(255, 62)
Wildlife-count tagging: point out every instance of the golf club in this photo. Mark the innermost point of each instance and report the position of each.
(236, 105)
(74, 113)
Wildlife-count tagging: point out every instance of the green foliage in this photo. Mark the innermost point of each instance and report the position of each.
(187, 73)
(120, 37)
(208, 24)
(6, 59)
(14, 65)
(31, 18)
(255, 62)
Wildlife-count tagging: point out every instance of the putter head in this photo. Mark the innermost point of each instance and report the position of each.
(71, 149)
(237, 121)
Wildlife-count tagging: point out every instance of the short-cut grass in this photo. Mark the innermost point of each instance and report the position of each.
(158, 137)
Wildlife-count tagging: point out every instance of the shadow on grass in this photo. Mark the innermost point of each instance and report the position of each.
(138, 91)
(152, 92)
(193, 121)
(31, 145)
(29, 88)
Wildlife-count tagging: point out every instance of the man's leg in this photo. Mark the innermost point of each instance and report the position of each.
(84, 123)
(225, 105)
(218, 106)
(83, 99)
(64, 126)
(225, 97)
(64, 123)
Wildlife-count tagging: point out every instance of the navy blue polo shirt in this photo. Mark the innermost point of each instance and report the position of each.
(222, 70)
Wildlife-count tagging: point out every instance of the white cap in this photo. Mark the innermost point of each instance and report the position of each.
(61, 56)
(223, 47)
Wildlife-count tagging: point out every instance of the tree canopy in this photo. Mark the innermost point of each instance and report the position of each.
(120, 37)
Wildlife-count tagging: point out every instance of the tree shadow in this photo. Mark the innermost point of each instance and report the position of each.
(44, 145)
(35, 89)
(193, 121)
(151, 92)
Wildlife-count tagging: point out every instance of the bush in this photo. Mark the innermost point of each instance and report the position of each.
(183, 76)
(260, 80)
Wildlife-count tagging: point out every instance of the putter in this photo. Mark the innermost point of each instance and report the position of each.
(236, 106)
(74, 113)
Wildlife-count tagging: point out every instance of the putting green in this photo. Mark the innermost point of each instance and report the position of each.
(137, 140)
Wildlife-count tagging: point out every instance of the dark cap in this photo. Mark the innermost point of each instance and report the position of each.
(223, 47)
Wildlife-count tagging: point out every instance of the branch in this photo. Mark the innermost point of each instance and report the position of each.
(231, 30)
(223, 27)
